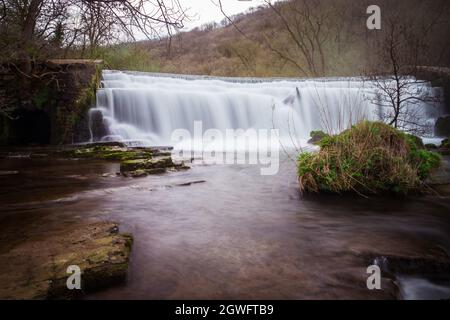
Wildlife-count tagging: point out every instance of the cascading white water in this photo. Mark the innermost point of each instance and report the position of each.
(145, 109)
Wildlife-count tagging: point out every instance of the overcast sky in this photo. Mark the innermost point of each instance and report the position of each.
(207, 10)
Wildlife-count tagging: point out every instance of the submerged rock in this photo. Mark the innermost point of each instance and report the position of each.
(8, 173)
(37, 268)
(145, 164)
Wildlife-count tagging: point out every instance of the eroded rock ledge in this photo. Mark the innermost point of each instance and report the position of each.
(134, 162)
(37, 268)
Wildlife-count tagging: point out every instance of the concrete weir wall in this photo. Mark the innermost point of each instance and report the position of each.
(50, 106)
(439, 77)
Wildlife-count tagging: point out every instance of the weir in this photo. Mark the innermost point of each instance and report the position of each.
(145, 108)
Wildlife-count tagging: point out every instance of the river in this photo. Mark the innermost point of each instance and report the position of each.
(233, 233)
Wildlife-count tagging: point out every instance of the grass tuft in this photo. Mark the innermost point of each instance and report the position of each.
(370, 157)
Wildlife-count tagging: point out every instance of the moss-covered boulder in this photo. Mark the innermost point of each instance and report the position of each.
(113, 152)
(369, 158)
(146, 164)
(134, 162)
(155, 165)
(98, 249)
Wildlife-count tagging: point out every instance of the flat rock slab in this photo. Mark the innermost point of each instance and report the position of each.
(37, 268)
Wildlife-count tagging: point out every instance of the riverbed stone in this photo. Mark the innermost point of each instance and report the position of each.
(146, 164)
(8, 173)
(37, 268)
(141, 167)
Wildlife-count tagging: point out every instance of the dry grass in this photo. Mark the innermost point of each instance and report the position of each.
(369, 158)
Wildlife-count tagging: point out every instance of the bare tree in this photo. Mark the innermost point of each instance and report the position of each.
(402, 97)
(33, 30)
(88, 22)
(302, 38)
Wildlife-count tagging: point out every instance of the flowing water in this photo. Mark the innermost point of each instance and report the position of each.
(226, 231)
(236, 235)
(148, 108)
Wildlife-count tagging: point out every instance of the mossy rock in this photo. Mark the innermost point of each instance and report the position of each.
(113, 153)
(140, 173)
(371, 157)
(146, 164)
(98, 249)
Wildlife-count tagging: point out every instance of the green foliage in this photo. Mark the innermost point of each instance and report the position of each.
(426, 162)
(371, 157)
(317, 136)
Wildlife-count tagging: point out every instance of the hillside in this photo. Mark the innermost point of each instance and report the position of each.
(296, 38)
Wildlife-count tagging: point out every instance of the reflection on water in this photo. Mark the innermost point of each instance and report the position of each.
(413, 288)
(236, 235)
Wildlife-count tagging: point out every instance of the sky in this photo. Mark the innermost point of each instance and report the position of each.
(208, 10)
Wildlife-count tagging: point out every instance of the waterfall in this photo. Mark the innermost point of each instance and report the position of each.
(145, 109)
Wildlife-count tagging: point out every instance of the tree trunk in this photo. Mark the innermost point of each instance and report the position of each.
(27, 36)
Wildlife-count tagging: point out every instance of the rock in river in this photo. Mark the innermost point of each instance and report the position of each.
(143, 167)
(37, 268)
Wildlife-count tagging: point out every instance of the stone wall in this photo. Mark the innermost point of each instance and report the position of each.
(439, 77)
(51, 106)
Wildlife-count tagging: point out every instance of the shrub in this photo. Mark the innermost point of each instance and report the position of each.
(370, 157)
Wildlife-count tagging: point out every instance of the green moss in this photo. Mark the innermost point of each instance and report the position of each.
(371, 157)
(109, 153)
(146, 164)
(85, 100)
(426, 162)
(414, 143)
(317, 136)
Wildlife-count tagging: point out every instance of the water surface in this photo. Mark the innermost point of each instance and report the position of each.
(237, 235)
